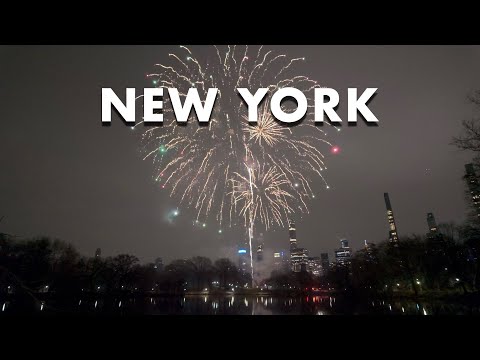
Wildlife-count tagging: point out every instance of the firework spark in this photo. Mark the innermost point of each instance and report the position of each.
(213, 168)
(263, 194)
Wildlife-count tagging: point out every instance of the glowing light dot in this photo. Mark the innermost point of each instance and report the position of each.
(175, 213)
(335, 150)
(313, 196)
(297, 185)
(220, 231)
(328, 187)
(204, 225)
(133, 127)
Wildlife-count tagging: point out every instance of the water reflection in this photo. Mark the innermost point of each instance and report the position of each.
(233, 305)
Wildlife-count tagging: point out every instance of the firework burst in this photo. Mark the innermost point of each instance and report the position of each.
(263, 194)
(206, 167)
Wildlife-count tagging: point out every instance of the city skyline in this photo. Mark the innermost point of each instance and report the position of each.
(99, 194)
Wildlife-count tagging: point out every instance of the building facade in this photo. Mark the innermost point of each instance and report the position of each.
(315, 266)
(392, 232)
(343, 254)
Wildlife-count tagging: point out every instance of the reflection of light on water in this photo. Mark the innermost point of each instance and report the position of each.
(233, 299)
(330, 302)
(3, 307)
(418, 307)
(390, 306)
(266, 302)
(41, 306)
(80, 302)
(246, 302)
(120, 303)
(205, 298)
(320, 313)
(424, 312)
(403, 310)
(96, 302)
(373, 304)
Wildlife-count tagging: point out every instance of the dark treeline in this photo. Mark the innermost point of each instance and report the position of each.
(53, 266)
(441, 264)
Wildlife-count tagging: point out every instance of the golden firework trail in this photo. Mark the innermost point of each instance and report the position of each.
(230, 169)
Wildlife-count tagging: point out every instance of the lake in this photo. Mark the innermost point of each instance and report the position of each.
(232, 305)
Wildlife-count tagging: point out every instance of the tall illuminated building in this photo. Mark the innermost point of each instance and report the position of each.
(293, 235)
(280, 261)
(243, 259)
(473, 186)
(314, 266)
(260, 248)
(299, 259)
(343, 255)
(298, 256)
(392, 233)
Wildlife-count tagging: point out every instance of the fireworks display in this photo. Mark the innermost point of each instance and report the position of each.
(228, 170)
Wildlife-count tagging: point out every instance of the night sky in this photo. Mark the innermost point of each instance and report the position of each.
(65, 175)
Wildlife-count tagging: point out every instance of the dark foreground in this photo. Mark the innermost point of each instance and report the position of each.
(232, 305)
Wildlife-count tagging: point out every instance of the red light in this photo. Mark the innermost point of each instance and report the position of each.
(335, 150)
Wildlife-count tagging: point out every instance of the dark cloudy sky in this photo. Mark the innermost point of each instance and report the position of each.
(64, 175)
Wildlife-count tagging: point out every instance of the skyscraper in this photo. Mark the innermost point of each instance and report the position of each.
(392, 233)
(243, 259)
(432, 224)
(280, 261)
(473, 186)
(298, 256)
(293, 235)
(314, 266)
(343, 255)
(299, 259)
(98, 252)
(260, 248)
